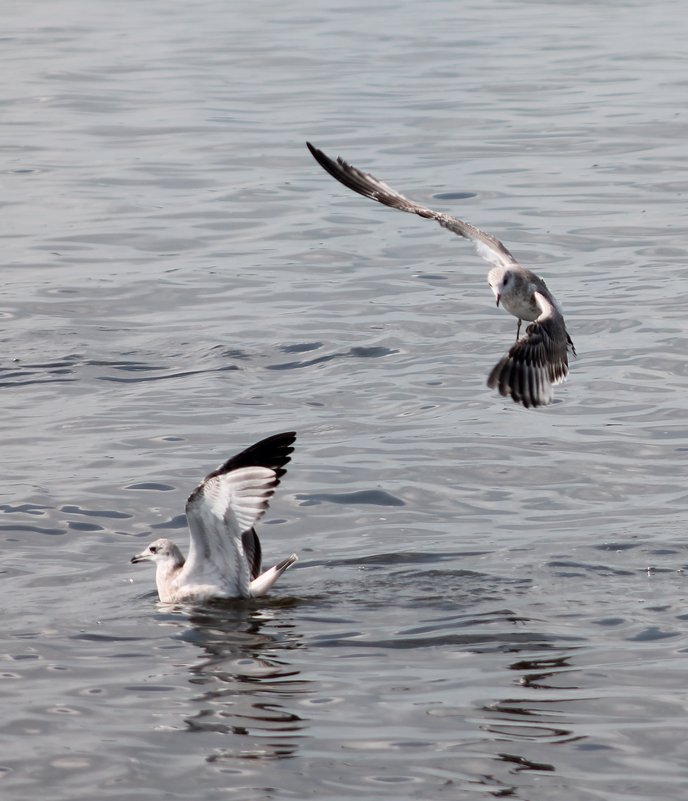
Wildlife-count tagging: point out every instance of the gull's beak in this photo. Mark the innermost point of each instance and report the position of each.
(140, 557)
(499, 297)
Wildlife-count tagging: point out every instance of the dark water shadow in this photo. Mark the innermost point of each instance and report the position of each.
(519, 730)
(370, 497)
(74, 367)
(21, 374)
(522, 727)
(373, 352)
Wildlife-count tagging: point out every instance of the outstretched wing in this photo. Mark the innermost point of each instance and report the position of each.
(537, 361)
(487, 246)
(222, 511)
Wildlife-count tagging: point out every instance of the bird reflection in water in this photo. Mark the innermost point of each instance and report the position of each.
(247, 689)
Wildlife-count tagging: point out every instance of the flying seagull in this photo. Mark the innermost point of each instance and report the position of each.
(539, 359)
(225, 554)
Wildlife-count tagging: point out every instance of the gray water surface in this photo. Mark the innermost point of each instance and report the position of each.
(489, 602)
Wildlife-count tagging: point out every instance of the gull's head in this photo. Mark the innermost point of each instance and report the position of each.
(501, 282)
(160, 551)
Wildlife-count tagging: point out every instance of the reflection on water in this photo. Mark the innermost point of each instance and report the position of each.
(245, 685)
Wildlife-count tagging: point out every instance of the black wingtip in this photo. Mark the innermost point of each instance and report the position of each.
(340, 170)
(273, 452)
(317, 153)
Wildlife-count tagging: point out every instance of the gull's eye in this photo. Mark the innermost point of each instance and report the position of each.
(153, 549)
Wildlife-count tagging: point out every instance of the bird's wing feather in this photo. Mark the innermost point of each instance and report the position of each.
(219, 512)
(253, 551)
(486, 245)
(537, 361)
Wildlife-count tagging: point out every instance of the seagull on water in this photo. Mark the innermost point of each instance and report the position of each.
(225, 554)
(539, 359)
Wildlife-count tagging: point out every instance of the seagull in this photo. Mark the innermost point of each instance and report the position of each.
(225, 554)
(539, 359)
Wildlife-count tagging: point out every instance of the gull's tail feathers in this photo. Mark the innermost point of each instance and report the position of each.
(261, 585)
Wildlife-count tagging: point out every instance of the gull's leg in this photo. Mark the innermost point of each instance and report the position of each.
(518, 328)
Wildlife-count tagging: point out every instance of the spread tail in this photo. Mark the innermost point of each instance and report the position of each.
(261, 585)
